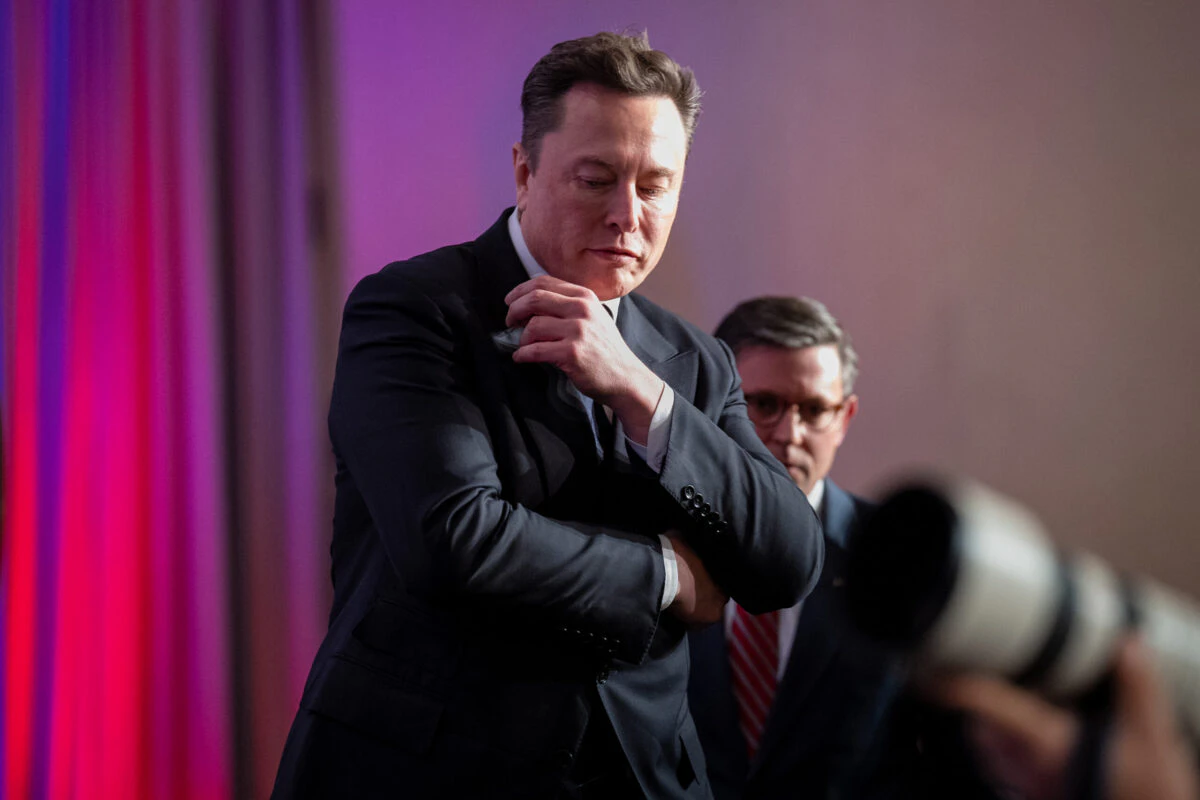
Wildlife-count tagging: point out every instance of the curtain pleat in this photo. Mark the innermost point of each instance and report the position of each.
(168, 344)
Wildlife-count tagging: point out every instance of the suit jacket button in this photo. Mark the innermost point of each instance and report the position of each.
(565, 759)
(687, 492)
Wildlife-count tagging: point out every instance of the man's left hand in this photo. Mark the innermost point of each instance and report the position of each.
(567, 327)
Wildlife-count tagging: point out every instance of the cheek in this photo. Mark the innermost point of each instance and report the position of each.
(660, 220)
(655, 230)
(766, 435)
(763, 436)
(823, 451)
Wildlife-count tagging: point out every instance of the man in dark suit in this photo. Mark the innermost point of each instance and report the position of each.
(542, 481)
(800, 724)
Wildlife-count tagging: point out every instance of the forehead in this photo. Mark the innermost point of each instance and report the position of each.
(793, 373)
(604, 125)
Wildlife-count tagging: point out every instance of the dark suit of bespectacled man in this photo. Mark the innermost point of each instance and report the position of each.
(787, 704)
(543, 480)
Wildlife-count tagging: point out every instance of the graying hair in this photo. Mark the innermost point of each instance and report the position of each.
(792, 322)
(625, 64)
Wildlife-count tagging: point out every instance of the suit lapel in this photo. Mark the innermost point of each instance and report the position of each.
(534, 389)
(839, 515)
(498, 270)
(676, 368)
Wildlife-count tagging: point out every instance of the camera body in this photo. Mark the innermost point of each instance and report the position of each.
(966, 579)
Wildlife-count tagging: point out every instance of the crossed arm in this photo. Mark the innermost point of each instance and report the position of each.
(407, 420)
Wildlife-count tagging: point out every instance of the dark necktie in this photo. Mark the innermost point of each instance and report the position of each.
(606, 431)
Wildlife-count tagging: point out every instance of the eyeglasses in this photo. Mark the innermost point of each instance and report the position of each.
(766, 410)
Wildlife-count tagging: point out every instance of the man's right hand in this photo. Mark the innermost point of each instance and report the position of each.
(699, 601)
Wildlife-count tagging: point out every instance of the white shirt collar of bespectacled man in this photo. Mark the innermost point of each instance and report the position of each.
(817, 496)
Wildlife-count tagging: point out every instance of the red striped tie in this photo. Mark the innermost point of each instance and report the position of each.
(754, 656)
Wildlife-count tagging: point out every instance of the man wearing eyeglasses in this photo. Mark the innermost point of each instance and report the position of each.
(787, 704)
(798, 368)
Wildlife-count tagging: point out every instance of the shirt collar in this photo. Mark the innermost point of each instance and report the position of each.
(533, 268)
(816, 498)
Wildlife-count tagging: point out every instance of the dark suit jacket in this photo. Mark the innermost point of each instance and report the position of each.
(495, 581)
(829, 703)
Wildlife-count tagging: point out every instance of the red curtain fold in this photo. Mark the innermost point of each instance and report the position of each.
(168, 344)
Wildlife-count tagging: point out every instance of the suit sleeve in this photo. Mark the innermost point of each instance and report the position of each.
(753, 528)
(406, 420)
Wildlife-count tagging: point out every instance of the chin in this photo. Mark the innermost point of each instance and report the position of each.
(802, 479)
(608, 287)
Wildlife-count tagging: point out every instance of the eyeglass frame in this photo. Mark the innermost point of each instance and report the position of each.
(794, 409)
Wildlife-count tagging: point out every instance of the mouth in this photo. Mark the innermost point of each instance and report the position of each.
(797, 465)
(615, 253)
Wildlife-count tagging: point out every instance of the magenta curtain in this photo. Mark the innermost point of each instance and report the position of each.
(169, 310)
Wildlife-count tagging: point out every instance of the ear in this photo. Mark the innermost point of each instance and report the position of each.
(522, 170)
(849, 413)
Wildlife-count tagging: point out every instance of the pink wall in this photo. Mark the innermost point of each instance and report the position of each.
(999, 201)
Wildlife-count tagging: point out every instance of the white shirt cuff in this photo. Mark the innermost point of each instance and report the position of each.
(671, 569)
(654, 452)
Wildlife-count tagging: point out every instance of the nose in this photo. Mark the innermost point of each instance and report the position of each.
(790, 428)
(624, 205)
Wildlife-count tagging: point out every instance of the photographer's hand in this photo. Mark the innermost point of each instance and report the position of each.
(1029, 741)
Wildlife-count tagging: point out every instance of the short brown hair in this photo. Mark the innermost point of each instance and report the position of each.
(625, 64)
(791, 322)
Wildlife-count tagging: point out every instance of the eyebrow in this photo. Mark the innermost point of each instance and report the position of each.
(590, 161)
(806, 401)
(660, 172)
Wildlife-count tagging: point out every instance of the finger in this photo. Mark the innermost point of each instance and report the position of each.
(548, 282)
(552, 352)
(549, 329)
(544, 302)
(1015, 712)
(1142, 699)
(522, 289)
(1150, 758)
